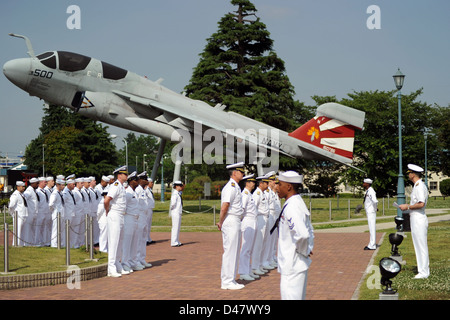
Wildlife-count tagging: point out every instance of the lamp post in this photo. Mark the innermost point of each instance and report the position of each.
(113, 136)
(43, 160)
(399, 79)
(426, 173)
(143, 162)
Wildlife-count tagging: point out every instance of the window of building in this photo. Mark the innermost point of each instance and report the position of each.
(433, 185)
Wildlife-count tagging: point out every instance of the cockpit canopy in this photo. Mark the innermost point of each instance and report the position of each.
(71, 62)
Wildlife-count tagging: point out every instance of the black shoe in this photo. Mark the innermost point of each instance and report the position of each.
(367, 248)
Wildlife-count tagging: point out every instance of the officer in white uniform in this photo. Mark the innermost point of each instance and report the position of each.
(32, 202)
(248, 226)
(418, 220)
(176, 210)
(262, 207)
(370, 205)
(143, 219)
(56, 205)
(18, 203)
(102, 189)
(295, 238)
(231, 212)
(115, 205)
(151, 206)
(130, 226)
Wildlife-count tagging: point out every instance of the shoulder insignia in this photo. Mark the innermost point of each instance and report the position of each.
(233, 184)
(259, 192)
(246, 192)
(116, 183)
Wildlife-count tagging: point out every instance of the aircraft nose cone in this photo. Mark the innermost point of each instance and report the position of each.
(17, 71)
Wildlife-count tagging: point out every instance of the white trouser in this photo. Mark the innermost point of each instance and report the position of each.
(54, 233)
(259, 239)
(248, 226)
(29, 230)
(95, 228)
(231, 238)
(142, 237)
(130, 240)
(115, 237)
(266, 257)
(103, 233)
(176, 224)
(23, 229)
(149, 225)
(293, 286)
(419, 232)
(47, 233)
(39, 230)
(371, 221)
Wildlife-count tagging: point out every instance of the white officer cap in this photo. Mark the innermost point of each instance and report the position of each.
(414, 168)
(291, 177)
(369, 181)
(72, 176)
(142, 174)
(33, 180)
(177, 183)
(132, 176)
(122, 169)
(250, 176)
(107, 179)
(20, 183)
(49, 178)
(240, 166)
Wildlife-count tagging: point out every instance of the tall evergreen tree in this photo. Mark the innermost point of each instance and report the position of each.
(239, 68)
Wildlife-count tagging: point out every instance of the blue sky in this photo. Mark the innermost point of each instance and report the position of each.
(326, 45)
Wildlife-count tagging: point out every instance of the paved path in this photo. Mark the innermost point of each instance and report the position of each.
(192, 272)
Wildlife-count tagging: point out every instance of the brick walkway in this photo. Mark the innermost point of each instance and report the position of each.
(192, 272)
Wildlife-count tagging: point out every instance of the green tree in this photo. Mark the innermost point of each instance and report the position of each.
(89, 149)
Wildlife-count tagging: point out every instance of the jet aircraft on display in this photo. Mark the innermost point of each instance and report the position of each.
(121, 98)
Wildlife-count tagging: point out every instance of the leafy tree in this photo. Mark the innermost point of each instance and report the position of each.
(73, 144)
(444, 187)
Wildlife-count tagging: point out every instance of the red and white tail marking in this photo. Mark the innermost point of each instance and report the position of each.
(328, 134)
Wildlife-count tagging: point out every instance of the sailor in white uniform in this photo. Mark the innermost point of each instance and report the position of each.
(231, 212)
(295, 238)
(56, 205)
(102, 190)
(115, 205)
(69, 208)
(32, 201)
(418, 220)
(18, 203)
(370, 205)
(176, 210)
(262, 232)
(248, 226)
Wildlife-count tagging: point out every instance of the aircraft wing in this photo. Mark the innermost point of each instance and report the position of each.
(184, 119)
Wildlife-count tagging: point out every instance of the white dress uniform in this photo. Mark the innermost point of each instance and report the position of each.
(69, 211)
(95, 199)
(274, 209)
(142, 224)
(295, 243)
(115, 226)
(151, 206)
(266, 257)
(32, 202)
(419, 228)
(18, 203)
(130, 230)
(176, 210)
(56, 204)
(44, 217)
(231, 232)
(101, 217)
(248, 229)
(77, 223)
(262, 230)
(370, 206)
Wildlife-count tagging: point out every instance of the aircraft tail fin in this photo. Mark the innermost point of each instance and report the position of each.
(331, 131)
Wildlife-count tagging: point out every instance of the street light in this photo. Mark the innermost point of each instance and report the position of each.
(113, 136)
(399, 79)
(43, 160)
(143, 162)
